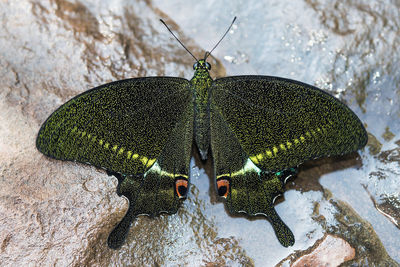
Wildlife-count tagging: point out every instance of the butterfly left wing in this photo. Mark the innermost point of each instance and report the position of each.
(138, 129)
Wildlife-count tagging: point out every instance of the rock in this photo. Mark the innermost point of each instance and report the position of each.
(57, 213)
(54, 212)
(332, 251)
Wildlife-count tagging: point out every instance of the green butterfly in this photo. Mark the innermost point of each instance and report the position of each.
(259, 129)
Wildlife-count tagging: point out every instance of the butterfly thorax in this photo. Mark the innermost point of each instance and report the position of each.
(200, 85)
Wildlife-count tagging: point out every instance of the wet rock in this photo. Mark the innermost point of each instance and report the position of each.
(332, 251)
(355, 239)
(60, 213)
(388, 135)
(360, 235)
(374, 145)
(53, 212)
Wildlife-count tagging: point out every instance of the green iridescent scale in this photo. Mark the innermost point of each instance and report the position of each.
(258, 128)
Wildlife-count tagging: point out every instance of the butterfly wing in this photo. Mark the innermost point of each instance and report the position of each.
(140, 130)
(261, 125)
(246, 187)
(281, 123)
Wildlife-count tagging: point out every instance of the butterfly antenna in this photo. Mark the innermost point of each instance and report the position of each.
(178, 40)
(209, 53)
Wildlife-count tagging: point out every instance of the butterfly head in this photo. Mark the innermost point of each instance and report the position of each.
(202, 64)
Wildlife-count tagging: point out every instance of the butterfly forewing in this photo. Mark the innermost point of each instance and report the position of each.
(121, 126)
(281, 123)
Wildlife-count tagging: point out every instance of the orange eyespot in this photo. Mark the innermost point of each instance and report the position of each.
(181, 187)
(223, 187)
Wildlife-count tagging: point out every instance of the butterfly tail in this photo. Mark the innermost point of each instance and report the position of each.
(118, 235)
(254, 193)
(282, 231)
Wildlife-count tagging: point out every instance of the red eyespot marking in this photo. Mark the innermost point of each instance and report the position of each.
(223, 187)
(181, 187)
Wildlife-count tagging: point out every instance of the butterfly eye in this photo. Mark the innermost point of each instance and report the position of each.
(223, 187)
(181, 186)
(195, 65)
(208, 66)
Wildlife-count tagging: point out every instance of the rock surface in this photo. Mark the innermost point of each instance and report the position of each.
(55, 213)
(331, 252)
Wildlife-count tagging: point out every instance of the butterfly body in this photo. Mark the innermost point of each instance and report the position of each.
(259, 129)
(200, 84)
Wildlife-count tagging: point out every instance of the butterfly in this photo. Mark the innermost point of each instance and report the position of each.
(259, 129)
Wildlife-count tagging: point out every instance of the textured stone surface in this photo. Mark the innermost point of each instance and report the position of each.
(56, 213)
(59, 213)
(331, 252)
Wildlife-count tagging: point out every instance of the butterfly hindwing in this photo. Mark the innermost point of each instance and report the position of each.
(139, 130)
(281, 123)
(154, 192)
(246, 187)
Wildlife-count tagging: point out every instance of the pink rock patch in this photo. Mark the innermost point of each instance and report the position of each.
(333, 251)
